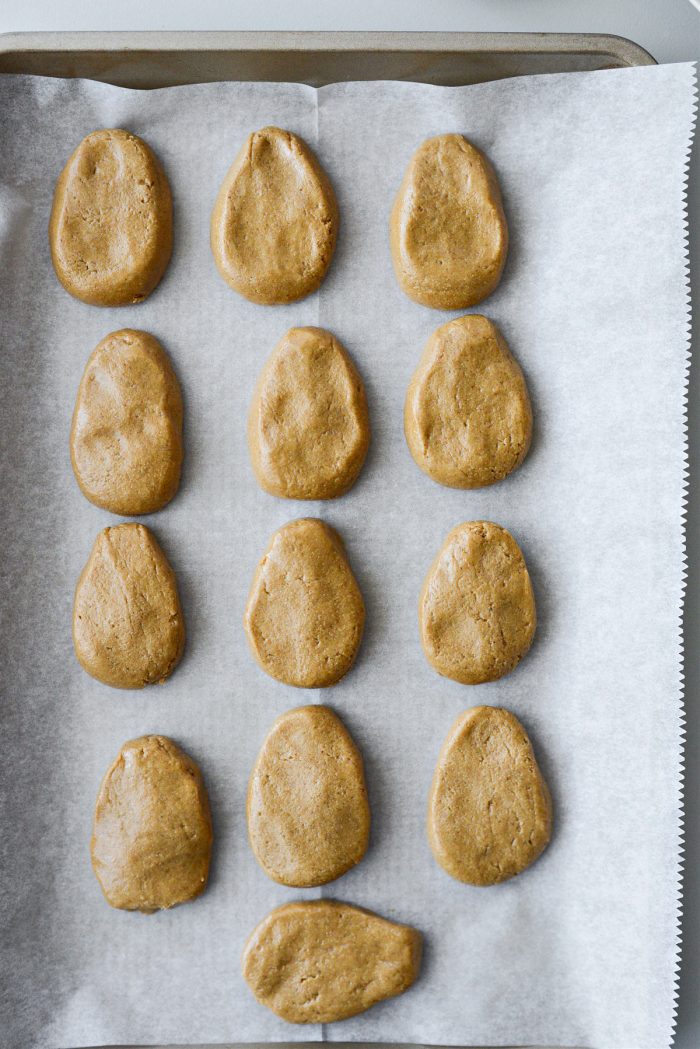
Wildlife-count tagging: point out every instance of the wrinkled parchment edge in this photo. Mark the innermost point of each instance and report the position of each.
(681, 698)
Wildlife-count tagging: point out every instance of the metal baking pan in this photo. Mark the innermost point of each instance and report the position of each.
(164, 59)
(148, 60)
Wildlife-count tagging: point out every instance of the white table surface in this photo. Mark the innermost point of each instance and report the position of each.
(670, 30)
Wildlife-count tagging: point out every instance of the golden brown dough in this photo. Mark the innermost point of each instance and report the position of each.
(128, 629)
(275, 221)
(111, 227)
(477, 609)
(305, 614)
(308, 428)
(322, 961)
(126, 438)
(449, 237)
(467, 416)
(308, 814)
(151, 836)
(489, 812)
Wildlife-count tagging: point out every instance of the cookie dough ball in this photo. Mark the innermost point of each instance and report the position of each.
(308, 815)
(151, 836)
(305, 614)
(467, 417)
(477, 609)
(126, 438)
(449, 237)
(128, 629)
(322, 961)
(489, 812)
(111, 227)
(275, 221)
(308, 429)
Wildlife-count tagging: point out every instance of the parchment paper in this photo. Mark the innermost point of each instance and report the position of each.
(580, 950)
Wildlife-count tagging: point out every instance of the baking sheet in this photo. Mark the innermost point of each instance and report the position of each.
(580, 950)
(162, 59)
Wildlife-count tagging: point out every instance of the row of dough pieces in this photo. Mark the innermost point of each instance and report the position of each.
(305, 615)
(489, 818)
(467, 417)
(275, 222)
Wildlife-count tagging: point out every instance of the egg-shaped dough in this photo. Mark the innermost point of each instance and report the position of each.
(126, 438)
(449, 237)
(477, 609)
(489, 811)
(305, 614)
(308, 427)
(319, 961)
(275, 222)
(467, 417)
(111, 226)
(128, 628)
(308, 814)
(152, 835)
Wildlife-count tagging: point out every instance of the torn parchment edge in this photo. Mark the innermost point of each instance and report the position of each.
(685, 483)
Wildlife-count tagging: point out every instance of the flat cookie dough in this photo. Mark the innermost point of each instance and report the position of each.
(477, 609)
(128, 629)
(111, 226)
(305, 614)
(151, 836)
(308, 814)
(322, 961)
(275, 221)
(449, 237)
(467, 417)
(490, 811)
(308, 428)
(126, 438)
